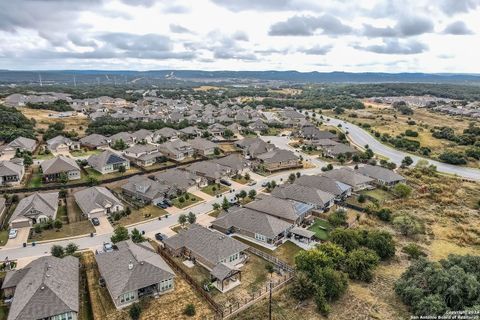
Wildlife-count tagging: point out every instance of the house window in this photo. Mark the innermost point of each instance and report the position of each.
(260, 237)
(127, 297)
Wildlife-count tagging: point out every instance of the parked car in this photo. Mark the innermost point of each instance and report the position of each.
(95, 221)
(160, 236)
(162, 205)
(12, 234)
(168, 202)
(225, 182)
(107, 247)
(252, 183)
(264, 184)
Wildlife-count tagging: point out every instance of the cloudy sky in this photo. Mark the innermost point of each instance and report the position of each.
(304, 35)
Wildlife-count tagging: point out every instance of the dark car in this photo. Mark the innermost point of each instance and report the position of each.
(168, 202)
(95, 221)
(162, 205)
(225, 182)
(160, 236)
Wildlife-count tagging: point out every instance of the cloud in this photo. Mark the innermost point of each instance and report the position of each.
(240, 36)
(451, 7)
(129, 41)
(318, 50)
(457, 28)
(77, 40)
(176, 28)
(307, 25)
(143, 3)
(406, 26)
(266, 5)
(393, 46)
(175, 9)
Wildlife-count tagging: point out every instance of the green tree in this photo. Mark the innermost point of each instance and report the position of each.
(192, 218)
(57, 224)
(302, 287)
(135, 311)
(360, 264)
(228, 133)
(216, 206)
(120, 234)
(71, 248)
(247, 176)
(242, 194)
(216, 151)
(309, 260)
(338, 218)
(57, 251)
(92, 180)
(346, 238)
(182, 219)
(189, 310)
(137, 236)
(334, 282)
(407, 161)
(225, 203)
(431, 305)
(122, 169)
(381, 242)
(407, 225)
(291, 177)
(401, 190)
(63, 178)
(252, 194)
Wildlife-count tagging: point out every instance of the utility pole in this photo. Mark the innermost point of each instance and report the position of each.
(270, 302)
(40, 79)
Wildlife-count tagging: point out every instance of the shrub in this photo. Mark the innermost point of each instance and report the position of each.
(407, 225)
(413, 251)
(71, 248)
(135, 311)
(57, 251)
(361, 198)
(401, 190)
(384, 214)
(190, 310)
(360, 264)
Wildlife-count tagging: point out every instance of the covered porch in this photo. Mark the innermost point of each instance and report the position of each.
(225, 278)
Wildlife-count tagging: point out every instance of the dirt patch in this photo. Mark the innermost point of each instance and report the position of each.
(77, 123)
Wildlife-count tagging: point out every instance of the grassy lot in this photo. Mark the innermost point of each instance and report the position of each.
(67, 230)
(227, 147)
(76, 123)
(241, 180)
(285, 252)
(3, 312)
(35, 180)
(84, 152)
(321, 228)
(3, 238)
(43, 156)
(62, 214)
(214, 189)
(158, 166)
(192, 199)
(99, 176)
(379, 194)
(145, 213)
(214, 213)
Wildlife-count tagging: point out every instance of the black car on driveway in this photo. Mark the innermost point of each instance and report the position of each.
(95, 221)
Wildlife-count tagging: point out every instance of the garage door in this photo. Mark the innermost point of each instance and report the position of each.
(20, 224)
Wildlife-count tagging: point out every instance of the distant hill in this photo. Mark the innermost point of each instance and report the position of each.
(121, 77)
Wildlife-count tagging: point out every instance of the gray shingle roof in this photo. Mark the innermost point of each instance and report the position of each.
(49, 287)
(209, 244)
(234, 161)
(252, 221)
(278, 155)
(281, 208)
(23, 143)
(179, 178)
(221, 271)
(380, 173)
(201, 144)
(45, 203)
(152, 189)
(208, 169)
(59, 164)
(148, 267)
(303, 194)
(95, 140)
(347, 176)
(8, 168)
(98, 161)
(95, 198)
(323, 183)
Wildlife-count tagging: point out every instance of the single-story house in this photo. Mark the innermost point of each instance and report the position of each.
(61, 144)
(165, 134)
(95, 141)
(291, 211)
(339, 189)
(36, 208)
(108, 162)
(255, 225)
(217, 129)
(180, 179)
(279, 159)
(176, 150)
(147, 191)
(339, 149)
(126, 137)
(143, 155)
(320, 200)
(46, 288)
(23, 144)
(191, 132)
(381, 175)
(53, 169)
(133, 271)
(210, 170)
(254, 146)
(213, 250)
(97, 201)
(236, 162)
(202, 146)
(144, 136)
(11, 173)
(348, 176)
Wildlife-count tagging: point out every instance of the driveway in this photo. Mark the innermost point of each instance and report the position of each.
(22, 237)
(104, 227)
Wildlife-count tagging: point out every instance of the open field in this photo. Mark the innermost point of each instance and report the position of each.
(76, 123)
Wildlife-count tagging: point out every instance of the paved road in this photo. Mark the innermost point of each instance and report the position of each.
(362, 137)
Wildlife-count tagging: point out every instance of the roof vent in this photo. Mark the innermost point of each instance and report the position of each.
(130, 265)
(42, 287)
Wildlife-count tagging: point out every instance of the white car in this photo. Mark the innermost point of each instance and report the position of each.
(12, 234)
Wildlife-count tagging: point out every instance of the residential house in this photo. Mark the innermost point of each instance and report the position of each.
(202, 146)
(191, 132)
(11, 173)
(61, 144)
(313, 133)
(176, 150)
(108, 162)
(23, 144)
(165, 134)
(210, 170)
(252, 147)
(320, 200)
(258, 126)
(96, 202)
(180, 179)
(133, 271)
(217, 130)
(236, 162)
(36, 208)
(143, 136)
(279, 159)
(218, 253)
(128, 138)
(147, 191)
(291, 211)
(381, 175)
(46, 288)
(339, 149)
(144, 155)
(95, 141)
(254, 225)
(339, 189)
(348, 176)
(53, 169)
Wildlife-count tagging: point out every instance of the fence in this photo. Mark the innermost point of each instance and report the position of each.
(279, 263)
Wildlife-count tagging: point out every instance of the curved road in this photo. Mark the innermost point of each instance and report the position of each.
(361, 137)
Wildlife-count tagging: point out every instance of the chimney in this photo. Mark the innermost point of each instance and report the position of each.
(130, 265)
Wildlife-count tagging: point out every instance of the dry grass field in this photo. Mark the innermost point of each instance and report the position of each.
(76, 123)
(206, 88)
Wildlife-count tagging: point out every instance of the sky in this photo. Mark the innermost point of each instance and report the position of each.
(304, 35)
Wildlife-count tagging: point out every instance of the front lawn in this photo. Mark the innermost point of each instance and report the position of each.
(186, 200)
(3, 239)
(241, 180)
(214, 189)
(35, 180)
(145, 213)
(379, 194)
(84, 152)
(68, 230)
(321, 228)
(94, 173)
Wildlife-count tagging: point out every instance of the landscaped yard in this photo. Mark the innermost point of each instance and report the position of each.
(214, 189)
(92, 172)
(145, 213)
(84, 152)
(241, 180)
(3, 238)
(379, 194)
(35, 180)
(321, 228)
(67, 230)
(192, 199)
